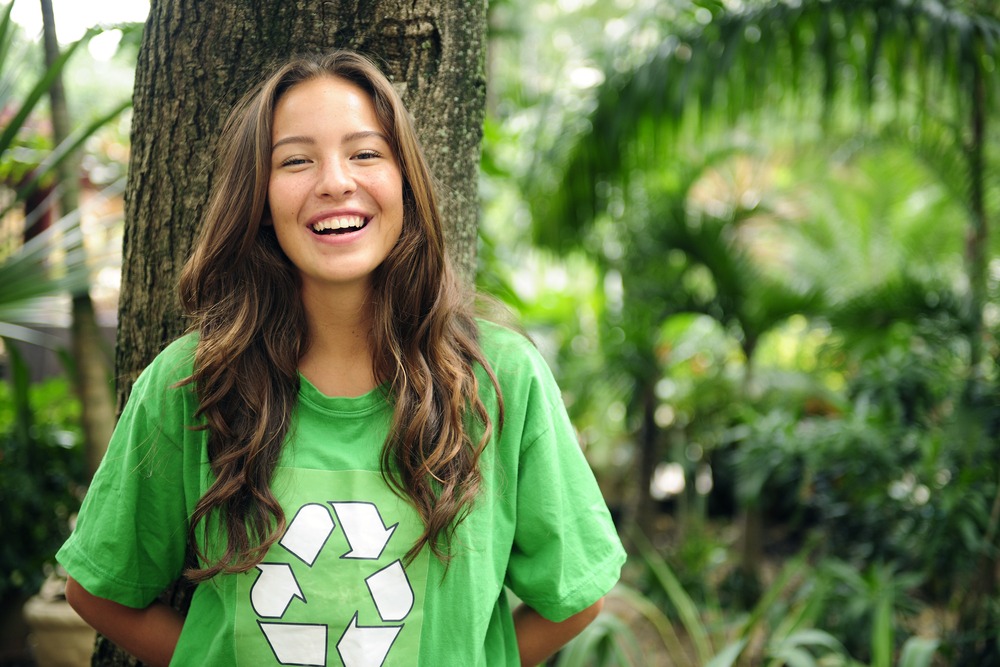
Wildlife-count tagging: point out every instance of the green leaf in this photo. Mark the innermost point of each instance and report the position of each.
(686, 608)
(40, 89)
(657, 618)
(6, 33)
(728, 656)
(26, 335)
(602, 640)
(63, 151)
(813, 637)
(774, 591)
(883, 630)
(796, 657)
(918, 652)
(29, 275)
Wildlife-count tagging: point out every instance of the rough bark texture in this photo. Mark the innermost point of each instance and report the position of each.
(199, 56)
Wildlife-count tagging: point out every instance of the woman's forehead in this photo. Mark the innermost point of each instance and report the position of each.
(324, 103)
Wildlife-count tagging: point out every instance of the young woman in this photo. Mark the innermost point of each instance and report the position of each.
(362, 469)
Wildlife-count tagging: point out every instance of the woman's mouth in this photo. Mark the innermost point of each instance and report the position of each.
(339, 225)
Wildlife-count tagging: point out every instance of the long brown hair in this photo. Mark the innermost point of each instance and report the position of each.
(243, 296)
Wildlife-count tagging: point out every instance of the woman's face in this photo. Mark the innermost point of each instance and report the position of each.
(336, 191)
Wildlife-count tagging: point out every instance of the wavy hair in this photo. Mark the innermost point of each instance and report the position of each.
(242, 294)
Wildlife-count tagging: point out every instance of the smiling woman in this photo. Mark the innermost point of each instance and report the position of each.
(336, 203)
(339, 426)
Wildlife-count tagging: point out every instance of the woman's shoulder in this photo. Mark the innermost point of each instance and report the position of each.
(497, 340)
(172, 365)
(510, 352)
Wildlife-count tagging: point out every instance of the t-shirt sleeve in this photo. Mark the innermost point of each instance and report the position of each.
(130, 538)
(566, 552)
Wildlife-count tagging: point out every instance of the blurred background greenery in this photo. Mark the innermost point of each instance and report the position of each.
(753, 238)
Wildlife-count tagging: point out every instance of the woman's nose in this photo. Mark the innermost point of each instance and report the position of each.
(335, 179)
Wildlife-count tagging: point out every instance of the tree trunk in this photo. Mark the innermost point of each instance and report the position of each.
(751, 545)
(977, 236)
(91, 370)
(975, 618)
(649, 457)
(198, 57)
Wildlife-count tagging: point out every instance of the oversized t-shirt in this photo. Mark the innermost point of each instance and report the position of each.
(336, 589)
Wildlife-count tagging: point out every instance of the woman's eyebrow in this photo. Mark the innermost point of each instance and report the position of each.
(353, 136)
(365, 134)
(293, 140)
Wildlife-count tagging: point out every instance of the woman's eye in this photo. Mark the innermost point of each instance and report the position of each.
(367, 155)
(293, 161)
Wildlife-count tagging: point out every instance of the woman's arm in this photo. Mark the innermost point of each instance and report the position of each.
(149, 634)
(538, 638)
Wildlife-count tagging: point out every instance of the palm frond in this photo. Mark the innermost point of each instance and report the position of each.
(73, 143)
(39, 90)
(901, 298)
(53, 262)
(916, 54)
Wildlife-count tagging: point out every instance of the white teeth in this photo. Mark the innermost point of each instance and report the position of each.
(348, 221)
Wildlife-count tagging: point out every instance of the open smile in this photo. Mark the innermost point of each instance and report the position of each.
(339, 225)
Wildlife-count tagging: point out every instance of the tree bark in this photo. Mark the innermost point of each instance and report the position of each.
(91, 370)
(198, 57)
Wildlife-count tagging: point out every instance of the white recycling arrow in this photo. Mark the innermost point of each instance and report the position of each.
(391, 592)
(364, 646)
(308, 532)
(274, 589)
(297, 644)
(363, 527)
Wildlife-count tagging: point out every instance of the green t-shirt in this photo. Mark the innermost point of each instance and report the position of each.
(334, 590)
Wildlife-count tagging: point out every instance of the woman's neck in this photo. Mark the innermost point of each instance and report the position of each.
(338, 359)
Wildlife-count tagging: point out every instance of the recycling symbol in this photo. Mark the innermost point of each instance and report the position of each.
(276, 588)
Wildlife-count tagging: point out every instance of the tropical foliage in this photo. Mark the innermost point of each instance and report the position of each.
(781, 210)
(41, 262)
(28, 164)
(42, 471)
(755, 240)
